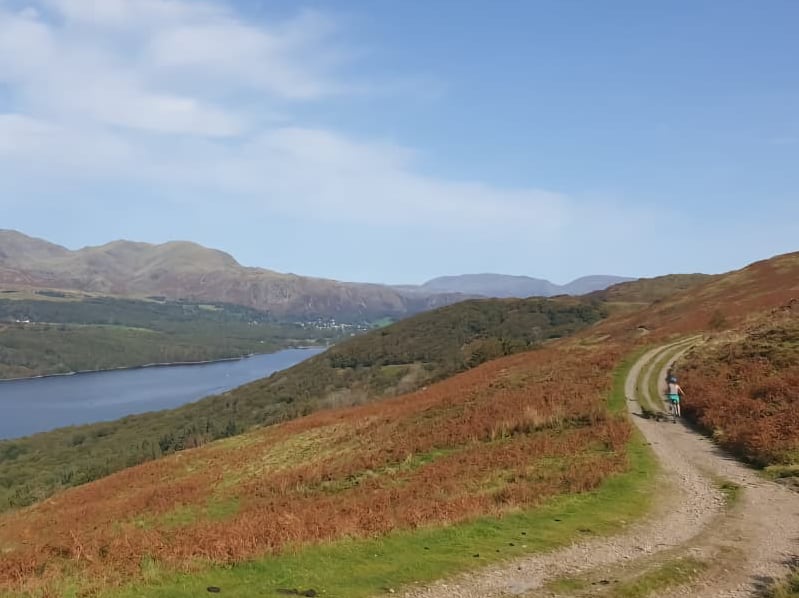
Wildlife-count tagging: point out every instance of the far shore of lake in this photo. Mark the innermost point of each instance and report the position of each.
(158, 365)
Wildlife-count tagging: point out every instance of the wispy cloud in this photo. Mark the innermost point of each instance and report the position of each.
(155, 65)
(181, 93)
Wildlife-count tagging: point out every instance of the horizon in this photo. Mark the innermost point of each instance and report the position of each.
(399, 284)
(319, 141)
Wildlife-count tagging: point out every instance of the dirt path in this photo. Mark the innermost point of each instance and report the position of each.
(746, 545)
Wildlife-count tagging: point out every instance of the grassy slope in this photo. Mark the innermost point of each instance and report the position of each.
(361, 568)
(74, 333)
(394, 359)
(477, 444)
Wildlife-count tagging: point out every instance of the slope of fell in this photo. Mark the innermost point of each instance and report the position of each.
(738, 528)
(385, 362)
(744, 388)
(19, 249)
(721, 302)
(648, 290)
(592, 283)
(492, 285)
(480, 443)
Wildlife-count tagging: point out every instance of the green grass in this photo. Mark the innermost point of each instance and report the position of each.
(668, 575)
(660, 363)
(649, 397)
(730, 490)
(383, 322)
(775, 472)
(617, 402)
(360, 568)
(642, 384)
(786, 589)
(567, 585)
(651, 582)
(653, 389)
(217, 509)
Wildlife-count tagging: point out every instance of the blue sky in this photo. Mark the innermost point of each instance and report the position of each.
(396, 141)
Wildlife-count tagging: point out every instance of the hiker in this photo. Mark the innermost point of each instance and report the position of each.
(673, 393)
(670, 373)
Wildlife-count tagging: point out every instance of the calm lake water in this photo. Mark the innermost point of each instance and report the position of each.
(30, 406)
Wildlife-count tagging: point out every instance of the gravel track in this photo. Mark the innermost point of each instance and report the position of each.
(748, 544)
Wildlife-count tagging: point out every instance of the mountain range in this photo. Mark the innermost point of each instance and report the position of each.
(185, 270)
(503, 285)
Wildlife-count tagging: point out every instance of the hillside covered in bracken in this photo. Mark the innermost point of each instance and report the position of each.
(706, 304)
(480, 443)
(744, 388)
(393, 360)
(503, 437)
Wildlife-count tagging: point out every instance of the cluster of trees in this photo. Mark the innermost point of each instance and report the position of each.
(465, 334)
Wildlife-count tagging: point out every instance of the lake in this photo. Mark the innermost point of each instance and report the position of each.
(40, 404)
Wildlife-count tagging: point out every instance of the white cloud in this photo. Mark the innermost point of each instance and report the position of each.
(123, 14)
(147, 91)
(23, 136)
(226, 51)
(156, 65)
(35, 149)
(373, 182)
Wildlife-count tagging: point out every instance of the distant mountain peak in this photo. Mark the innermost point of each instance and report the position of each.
(177, 253)
(187, 270)
(505, 285)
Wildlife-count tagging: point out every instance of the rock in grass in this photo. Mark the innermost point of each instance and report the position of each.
(214, 589)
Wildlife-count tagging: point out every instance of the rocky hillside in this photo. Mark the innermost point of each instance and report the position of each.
(181, 270)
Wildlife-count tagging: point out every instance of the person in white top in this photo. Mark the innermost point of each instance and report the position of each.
(674, 393)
